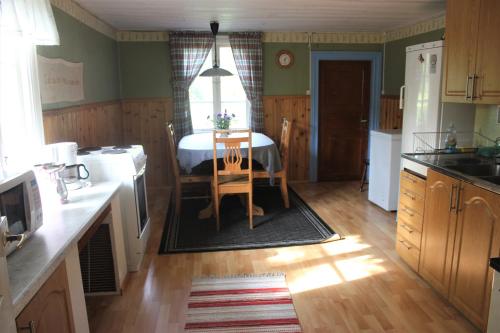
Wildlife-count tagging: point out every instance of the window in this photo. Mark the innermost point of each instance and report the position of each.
(211, 95)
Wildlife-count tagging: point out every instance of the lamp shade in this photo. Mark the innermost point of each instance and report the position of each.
(216, 71)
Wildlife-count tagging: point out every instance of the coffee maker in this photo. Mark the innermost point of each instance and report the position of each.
(73, 174)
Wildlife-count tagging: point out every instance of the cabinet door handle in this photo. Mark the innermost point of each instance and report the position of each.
(473, 88)
(30, 328)
(408, 211)
(412, 197)
(457, 203)
(467, 97)
(453, 188)
(407, 228)
(410, 179)
(408, 247)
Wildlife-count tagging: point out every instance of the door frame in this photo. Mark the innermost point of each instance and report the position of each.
(375, 91)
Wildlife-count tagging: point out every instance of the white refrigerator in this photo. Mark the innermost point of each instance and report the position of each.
(420, 100)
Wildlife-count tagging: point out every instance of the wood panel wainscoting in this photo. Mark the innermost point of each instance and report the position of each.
(142, 121)
(296, 109)
(96, 124)
(391, 116)
(137, 121)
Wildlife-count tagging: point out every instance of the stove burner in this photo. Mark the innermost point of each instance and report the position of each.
(91, 148)
(82, 152)
(114, 151)
(122, 147)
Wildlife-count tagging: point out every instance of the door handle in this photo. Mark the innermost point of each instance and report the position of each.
(401, 97)
(407, 228)
(453, 187)
(457, 203)
(467, 97)
(363, 121)
(30, 328)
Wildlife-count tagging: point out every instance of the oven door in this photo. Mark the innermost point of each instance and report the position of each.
(141, 201)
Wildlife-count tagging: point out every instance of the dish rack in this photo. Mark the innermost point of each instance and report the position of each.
(435, 142)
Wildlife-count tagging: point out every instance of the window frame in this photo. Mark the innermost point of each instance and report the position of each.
(222, 41)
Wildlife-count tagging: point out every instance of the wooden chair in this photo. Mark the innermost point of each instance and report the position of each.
(180, 179)
(233, 179)
(282, 175)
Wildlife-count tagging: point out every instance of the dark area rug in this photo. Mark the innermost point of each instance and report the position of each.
(298, 225)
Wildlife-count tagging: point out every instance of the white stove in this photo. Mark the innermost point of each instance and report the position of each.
(128, 165)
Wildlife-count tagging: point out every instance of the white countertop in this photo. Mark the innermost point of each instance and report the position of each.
(63, 225)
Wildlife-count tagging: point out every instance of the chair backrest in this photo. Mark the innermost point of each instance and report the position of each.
(286, 130)
(232, 157)
(172, 151)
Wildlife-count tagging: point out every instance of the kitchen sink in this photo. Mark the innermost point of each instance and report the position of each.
(492, 179)
(477, 170)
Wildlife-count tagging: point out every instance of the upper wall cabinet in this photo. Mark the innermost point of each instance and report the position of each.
(471, 73)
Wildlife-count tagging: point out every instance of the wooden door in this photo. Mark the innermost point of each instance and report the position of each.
(438, 230)
(49, 310)
(477, 239)
(459, 54)
(344, 102)
(488, 53)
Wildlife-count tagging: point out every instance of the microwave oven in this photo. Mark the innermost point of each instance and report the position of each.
(20, 209)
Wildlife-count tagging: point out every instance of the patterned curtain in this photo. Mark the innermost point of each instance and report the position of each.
(247, 52)
(188, 51)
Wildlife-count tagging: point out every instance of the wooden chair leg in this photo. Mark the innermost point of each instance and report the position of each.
(178, 198)
(284, 191)
(216, 201)
(250, 210)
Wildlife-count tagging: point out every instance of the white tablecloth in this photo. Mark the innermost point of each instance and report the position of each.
(195, 148)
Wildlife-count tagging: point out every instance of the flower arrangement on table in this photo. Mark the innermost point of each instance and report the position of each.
(223, 120)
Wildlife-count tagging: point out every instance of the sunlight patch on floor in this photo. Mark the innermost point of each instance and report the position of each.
(359, 267)
(286, 255)
(347, 245)
(315, 277)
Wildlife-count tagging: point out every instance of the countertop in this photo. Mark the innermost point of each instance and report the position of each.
(495, 264)
(443, 162)
(63, 225)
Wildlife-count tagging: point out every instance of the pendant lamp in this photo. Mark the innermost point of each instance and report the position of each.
(215, 70)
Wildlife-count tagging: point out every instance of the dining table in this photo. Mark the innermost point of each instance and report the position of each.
(197, 148)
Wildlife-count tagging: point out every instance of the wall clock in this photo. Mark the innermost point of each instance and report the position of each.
(284, 59)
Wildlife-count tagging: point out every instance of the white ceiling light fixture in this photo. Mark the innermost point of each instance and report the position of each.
(215, 70)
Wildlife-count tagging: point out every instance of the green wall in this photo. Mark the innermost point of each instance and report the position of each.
(114, 70)
(395, 56)
(295, 80)
(99, 54)
(486, 121)
(145, 69)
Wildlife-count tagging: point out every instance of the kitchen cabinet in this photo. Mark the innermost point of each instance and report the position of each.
(477, 240)
(472, 47)
(439, 230)
(451, 243)
(410, 216)
(50, 309)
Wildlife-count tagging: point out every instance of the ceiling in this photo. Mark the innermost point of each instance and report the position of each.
(265, 15)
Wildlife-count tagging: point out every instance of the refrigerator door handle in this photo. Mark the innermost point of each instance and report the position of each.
(401, 97)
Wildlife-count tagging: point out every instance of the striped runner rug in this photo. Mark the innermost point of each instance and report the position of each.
(237, 304)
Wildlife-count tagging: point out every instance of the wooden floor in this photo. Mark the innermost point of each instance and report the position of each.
(357, 284)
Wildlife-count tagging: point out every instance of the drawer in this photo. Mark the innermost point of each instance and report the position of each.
(412, 182)
(409, 232)
(412, 200)
(410, 216)
(408, 252)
